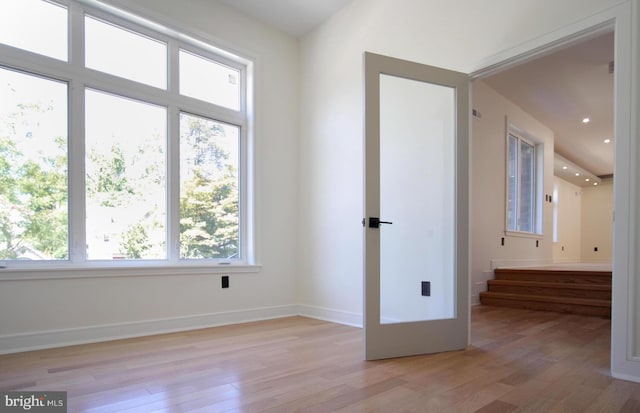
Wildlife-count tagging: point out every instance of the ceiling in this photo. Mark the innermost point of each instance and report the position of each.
(563, 88)
(559, 89)
(296, 17)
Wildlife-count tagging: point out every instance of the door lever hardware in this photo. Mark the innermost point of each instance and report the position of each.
(374, 222)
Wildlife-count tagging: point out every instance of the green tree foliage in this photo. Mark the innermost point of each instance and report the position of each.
(33, 191)
(209, 220)
(136, 242)
(109, 182)
(33, 188)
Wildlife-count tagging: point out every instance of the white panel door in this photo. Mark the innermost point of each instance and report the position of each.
(416, 294)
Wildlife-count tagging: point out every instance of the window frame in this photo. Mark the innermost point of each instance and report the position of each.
(79, 78)
(538, 175)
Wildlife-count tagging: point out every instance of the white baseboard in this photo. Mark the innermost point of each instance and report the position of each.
(335, 316)
(627, 377)
(15, 343)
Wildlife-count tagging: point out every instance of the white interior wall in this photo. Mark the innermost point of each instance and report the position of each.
(597, 222)
(488, 213)
(40, 313)
(463, 36)
(488, 189)
(570, 202)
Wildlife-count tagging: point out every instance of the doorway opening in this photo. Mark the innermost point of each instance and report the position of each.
(562, 99)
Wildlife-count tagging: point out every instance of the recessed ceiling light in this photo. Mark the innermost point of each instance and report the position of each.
(595, 184)
(586, 120)
(577, 173)
(607, 141)
(587, 180)
(565, 167)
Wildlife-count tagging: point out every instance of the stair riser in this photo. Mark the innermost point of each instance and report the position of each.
(555, 277)
(552, 292)
(542, 306)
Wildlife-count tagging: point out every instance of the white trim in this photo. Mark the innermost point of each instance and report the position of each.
(626, 377)
(522, 234)
(70, 271)
(328, 314)
(624, 326)
(14, 343)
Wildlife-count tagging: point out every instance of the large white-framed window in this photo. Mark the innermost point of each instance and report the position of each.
(123, 142)
(524, 183)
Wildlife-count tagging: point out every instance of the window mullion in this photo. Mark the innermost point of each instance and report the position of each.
(76, 36)
(173, 184)
(77, 185)
(173, 74)
(173, 157)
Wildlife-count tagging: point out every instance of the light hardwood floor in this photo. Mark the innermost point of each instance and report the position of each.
(519, 361)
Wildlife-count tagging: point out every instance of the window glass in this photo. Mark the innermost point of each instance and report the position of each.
(125, 161)
(521, 185)
(209, 200)
(35, 25)
(124, 53)
(210, 81)
(527, 187)
(512, 183)
(33, 168)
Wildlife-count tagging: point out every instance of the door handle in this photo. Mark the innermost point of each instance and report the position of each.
(374, 222)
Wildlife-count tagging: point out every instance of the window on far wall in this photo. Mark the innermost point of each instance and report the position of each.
(522, 183)
(105, 156)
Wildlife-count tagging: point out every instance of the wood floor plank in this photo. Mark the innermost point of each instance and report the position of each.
(497, 406)
(519, 361)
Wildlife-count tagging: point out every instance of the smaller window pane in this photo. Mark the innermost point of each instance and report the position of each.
(36, 26)
(512, 184)
(210, 81)
(33, 168)
(125, 162)
(209, 200)
(527, 187)
(124, 53)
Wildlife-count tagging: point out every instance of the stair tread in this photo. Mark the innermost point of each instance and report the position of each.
(550, 284)
(568, 277)
(552, 271)
(551, 299)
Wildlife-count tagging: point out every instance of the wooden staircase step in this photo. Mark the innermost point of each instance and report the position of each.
(554, 275)
(597, 291)
(573, 305)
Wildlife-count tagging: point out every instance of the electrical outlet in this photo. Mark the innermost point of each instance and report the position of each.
(426, 288)
(225, 281)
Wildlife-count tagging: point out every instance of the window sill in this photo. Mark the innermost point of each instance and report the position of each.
(519, 234)
(70, 271)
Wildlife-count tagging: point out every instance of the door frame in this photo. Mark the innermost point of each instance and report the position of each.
(625, 348)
